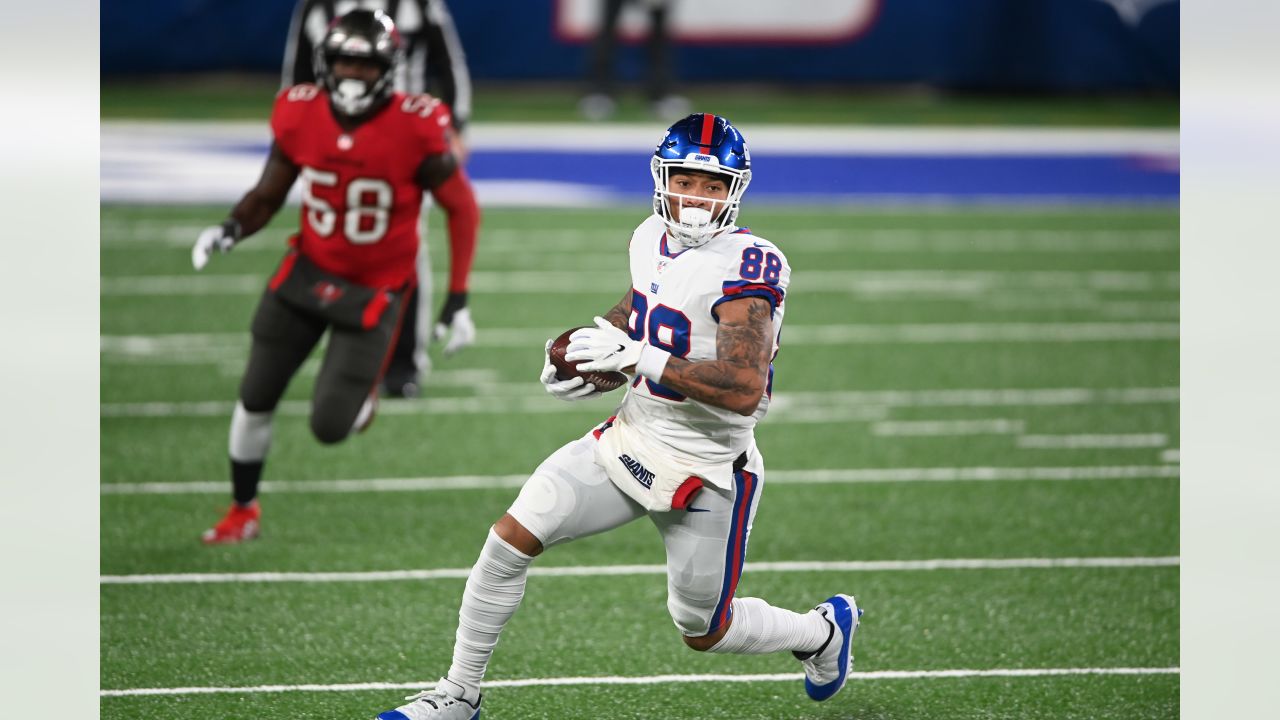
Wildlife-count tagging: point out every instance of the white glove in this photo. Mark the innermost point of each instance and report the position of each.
(604, 348)
(460, 330)
(455, 316)
(572, 389)
(219, 237)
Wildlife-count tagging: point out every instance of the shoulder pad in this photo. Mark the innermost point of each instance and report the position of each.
(292, 106)
(423, 106)
(744, 237)
(303, 92)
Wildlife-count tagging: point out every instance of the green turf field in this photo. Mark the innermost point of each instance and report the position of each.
(248, 97)
(972, 384)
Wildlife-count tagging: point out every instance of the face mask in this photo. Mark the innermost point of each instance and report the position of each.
(351, 90)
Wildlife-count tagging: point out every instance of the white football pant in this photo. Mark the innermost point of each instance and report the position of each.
(569, 496)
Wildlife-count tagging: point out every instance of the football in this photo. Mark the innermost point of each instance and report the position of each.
(565, 370)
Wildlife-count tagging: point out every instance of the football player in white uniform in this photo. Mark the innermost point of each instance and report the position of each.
(697, 331)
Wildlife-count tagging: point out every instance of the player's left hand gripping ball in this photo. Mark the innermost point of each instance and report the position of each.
(219, 237)
(574, 388)
(455, 323)
(604, 348)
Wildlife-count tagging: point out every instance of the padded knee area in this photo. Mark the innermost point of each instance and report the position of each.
(283, 337)
(330, 429)
(260, 390)
(542, 506)
(693, 622)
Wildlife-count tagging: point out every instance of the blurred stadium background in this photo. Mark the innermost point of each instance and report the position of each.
(976, 427)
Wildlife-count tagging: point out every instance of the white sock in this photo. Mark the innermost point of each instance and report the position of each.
(759, 628)
(494, 590)
(250, 435)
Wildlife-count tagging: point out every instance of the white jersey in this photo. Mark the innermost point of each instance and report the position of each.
(673, 306)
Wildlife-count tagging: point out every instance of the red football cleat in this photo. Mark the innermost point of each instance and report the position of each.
(239, 524)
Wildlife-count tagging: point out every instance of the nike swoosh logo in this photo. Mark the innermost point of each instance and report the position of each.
(694, 509)
(756, 244)
(621, 347)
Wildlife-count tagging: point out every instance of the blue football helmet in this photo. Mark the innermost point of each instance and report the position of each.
(702, 143)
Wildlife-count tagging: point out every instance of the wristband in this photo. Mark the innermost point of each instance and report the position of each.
(231, 228)
(653, 360)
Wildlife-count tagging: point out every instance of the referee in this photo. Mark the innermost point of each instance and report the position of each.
(435, 64)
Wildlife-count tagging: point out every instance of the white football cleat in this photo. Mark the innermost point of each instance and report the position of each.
(433, 705)
(827, 668)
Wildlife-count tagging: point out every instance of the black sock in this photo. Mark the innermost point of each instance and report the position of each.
(244, 480)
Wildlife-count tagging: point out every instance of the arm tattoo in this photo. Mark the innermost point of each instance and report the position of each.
(620, 315)
(736, 378)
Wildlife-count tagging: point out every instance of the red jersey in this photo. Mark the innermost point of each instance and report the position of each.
(360, 196)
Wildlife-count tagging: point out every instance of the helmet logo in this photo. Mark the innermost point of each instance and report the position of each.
(356, 45)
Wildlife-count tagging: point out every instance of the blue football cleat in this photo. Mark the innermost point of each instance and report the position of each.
(827, 668)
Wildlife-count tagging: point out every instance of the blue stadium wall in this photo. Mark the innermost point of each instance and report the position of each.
(981, 45)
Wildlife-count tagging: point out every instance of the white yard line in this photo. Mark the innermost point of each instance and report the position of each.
(863, 282)
(792, 407)
(194, 347)
(1093, 441)
(966, 474)
(926, 333)
(615, 570)
(653, 680)
(187, 348)
(526, 404)
(982, 397)
(772, 477)
(947, 428)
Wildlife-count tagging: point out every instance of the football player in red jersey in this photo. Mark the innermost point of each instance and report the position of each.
(364, 153)
(434, 62)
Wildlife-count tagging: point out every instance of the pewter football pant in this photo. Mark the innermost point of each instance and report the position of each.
(283, 338)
